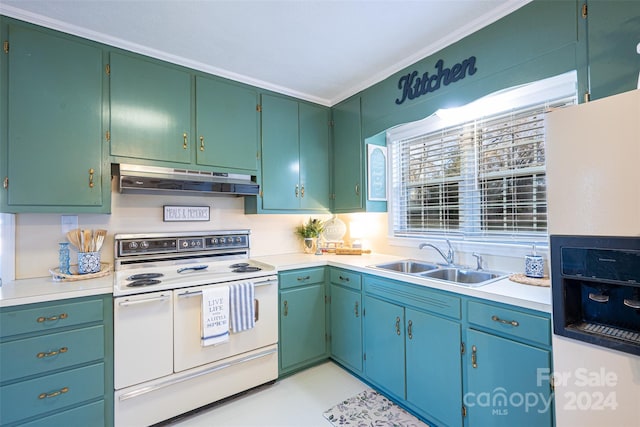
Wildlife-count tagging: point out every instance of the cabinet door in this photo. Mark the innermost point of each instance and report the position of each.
(434, 366)
(280, 156)
(346, 326)
(384, 345)
(507, 382)
(314, 157)
(54, 121)
(347, 157)
(150, 110)
(227, 123)
(302, 325)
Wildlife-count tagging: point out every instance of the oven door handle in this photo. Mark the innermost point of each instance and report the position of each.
(128, 302)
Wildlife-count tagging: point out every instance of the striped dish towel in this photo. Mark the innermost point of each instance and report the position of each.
(242, 309)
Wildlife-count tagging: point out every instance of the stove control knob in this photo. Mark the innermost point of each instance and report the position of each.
(238, 240)
(133, 245)
(222, 240)
(185, 244)
(144, 244)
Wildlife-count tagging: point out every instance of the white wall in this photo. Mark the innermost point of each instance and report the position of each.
(37, 235)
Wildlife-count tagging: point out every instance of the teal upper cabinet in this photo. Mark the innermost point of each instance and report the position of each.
(227, 125)
(347, 157)
(150, 110)
(52, 140)
(295, 159)
(613, 37)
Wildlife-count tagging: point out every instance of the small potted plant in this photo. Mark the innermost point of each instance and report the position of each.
(309, 232)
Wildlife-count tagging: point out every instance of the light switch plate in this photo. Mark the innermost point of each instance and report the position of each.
(69, 222)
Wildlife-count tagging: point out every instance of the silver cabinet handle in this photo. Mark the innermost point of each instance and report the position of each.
(127, 302)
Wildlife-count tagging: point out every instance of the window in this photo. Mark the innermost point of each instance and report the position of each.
(482, 177)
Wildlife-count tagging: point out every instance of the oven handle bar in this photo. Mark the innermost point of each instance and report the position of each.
(149, 389)
(260, 283)
(127, 302)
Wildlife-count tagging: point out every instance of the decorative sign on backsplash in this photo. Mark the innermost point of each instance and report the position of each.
(413, 86)
(186, 213)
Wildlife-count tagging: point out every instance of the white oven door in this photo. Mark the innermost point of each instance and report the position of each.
(143, 338)
(188, 349)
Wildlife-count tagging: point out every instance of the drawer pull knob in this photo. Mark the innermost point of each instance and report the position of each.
(344, 279)
(53, 393)
(43, 354)
(52, 318)
(300, 279)
(513, 323)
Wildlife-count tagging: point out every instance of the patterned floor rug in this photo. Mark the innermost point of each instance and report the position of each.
(370, 408)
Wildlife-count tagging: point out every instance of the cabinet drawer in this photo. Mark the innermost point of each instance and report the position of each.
(511, 322)
(49, 316)
(346, 278)
(51, 393)
(46, 353)
(87, 415)
(419, 297)
(291, 279)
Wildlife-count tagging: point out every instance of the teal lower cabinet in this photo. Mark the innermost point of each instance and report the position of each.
(302, 338)
(56, 363)
(412, 344)
(346, 318)
(508, 366)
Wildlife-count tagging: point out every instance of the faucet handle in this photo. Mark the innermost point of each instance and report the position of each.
(478, 259)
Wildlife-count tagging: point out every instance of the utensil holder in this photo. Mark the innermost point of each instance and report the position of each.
(88, 262)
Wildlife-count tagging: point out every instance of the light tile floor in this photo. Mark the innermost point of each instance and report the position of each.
(297, 401)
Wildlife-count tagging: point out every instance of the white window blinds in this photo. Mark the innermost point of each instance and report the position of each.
(482, 178)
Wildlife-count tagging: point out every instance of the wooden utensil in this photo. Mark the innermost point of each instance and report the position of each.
(352, 251)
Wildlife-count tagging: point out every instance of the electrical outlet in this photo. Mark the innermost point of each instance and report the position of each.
(69, 222)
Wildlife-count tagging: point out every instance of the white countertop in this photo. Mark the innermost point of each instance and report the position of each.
(503, 291)
(42, 289)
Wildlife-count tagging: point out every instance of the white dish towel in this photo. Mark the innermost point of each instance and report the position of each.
(215, 315)
(243, 313)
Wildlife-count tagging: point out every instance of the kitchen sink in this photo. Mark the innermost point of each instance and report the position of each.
(464, 276)
(407, 266)
(454, 274)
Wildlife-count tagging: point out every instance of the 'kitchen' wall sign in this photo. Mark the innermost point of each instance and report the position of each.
(413, 86)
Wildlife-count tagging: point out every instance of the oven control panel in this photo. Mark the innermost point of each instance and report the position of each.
(144, 245)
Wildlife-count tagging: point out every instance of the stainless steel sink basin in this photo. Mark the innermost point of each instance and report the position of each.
(407, 266)
(464, 276)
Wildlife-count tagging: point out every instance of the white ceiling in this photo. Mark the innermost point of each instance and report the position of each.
(319, 50)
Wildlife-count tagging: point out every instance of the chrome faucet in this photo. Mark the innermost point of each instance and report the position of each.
(478, 259)
(448, 257)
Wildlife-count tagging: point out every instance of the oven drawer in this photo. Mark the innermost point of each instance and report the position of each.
(293, 278)
(51, 393)
(46, 353)
(510, 322)
(49, 316)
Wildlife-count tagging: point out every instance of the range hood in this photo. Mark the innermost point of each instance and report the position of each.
(153, 179)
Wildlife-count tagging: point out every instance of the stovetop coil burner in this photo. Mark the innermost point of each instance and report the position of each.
(239, 265)
(143, 282)
(143, 276)
(246, 269)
